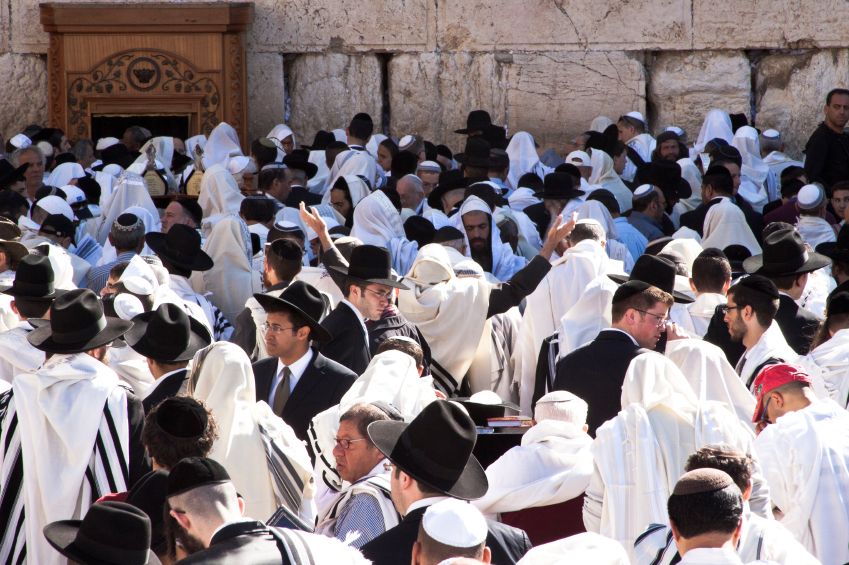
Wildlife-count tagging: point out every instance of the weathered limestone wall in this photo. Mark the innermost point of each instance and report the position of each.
(546, 66)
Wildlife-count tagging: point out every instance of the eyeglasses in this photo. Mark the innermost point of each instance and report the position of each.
(346, 443)
(387, 296)
(764, 418)
(274, 328)
(725, 308)
(661, 320)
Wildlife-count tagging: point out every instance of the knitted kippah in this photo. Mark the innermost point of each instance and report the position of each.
(181, 417)
(702, 480)
(126, 222)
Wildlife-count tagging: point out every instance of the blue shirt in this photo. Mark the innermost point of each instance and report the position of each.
(630, 236)
(647, 226)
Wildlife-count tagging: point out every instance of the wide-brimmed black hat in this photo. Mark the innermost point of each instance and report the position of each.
(475, 154)
(77, 323)
(180, 246)
(666, 175)
(476, 122)
(112, 533)
(9, 173)
(148, 495)
(435, 448)
(34, 280)
(784, 253)
(837, 250)
(117, 154)
(496, 136)
(559, 186)
(736, 254)
(656, 271)
(371, 264)
(15, 250)
(321, 140)
(299, 159)
(305, 300)
(448, 181)
(167, 334)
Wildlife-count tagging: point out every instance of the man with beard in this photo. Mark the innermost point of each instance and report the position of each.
(484, 239)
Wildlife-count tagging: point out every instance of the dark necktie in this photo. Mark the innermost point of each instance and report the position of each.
(281, 395)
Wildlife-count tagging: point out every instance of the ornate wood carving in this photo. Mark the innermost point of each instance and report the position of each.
(55, 82)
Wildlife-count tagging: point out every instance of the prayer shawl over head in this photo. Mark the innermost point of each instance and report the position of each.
(131, 368)
(615, 249)
(717, 124)
(552, 465)
(219, 196)
(695, 317)
(318, 183)
(523, 159)
(222, 144)
(195, 141)
(690, 172)
(151, 224)
(129, 191)
(351, 162)
(521, 198)
(828, 366)
(585, 547)
(65, 438)
(373, 143)
(590, 314)
(505, 263)
(64, 173)
(805, 456)
(600, 123)
(688, 248)
(280, 132)
(377, 222)
(726, 225)
(449, 311)
(605, 177)
(268, 464)
(529, 242)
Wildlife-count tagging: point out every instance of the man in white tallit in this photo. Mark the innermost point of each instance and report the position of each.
(812, 225)
(710, 280)
(55, 462)
(553, 464)
(632, 132)
(483, 240)
(772, 151)
(804, 450)
(828, 362)
(750, 317)
(641, 452)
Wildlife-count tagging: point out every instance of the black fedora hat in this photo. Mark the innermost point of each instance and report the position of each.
(77, 324)
(736, 254)
(34, 280)
(299, 159)
(371, 264)
(784, 253)
(448, 181)
(837, 250)
(167, 334)
(148, 495)
(656, 271)
(321, 140)
(559, 186)
(117, 154)
(435, 448)
(496, 136)
(475, 154)
(305, 300)
(666, 175)
(181, 246)
(476, 122)
(111, 533)
(9, 173)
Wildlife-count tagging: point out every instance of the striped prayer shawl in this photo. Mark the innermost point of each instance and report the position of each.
(287, 484)
(107, 472)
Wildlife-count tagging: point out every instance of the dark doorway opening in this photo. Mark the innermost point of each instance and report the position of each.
(114, 126)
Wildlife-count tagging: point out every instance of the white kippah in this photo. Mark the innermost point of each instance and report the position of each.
(591, 221)
(238, 164)
(106, 142)
(20, 141)
(771, 133)
(579, 158)
(810, 196)
(676, 130)
(429, 166)
(486, 397)
(270, 166)
(127, 306)
(642, 191)
(406, 141)
(455, 523)
(636, 115)
(73, 194)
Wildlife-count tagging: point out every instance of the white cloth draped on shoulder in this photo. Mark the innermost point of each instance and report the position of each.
(615, 249)
(377, 222)
(529, 242)
(505, 263)
(318, 183)
(64, 173)
(717, 124)
(351, 162)
(726, 225)
(280, 132)
(771, 345)
(219, 196)
(590, 314)
(523, 157)
(605, 177)
(828, 366)
(521, 198)
(815, 230)
(223, 143)
(129, 191)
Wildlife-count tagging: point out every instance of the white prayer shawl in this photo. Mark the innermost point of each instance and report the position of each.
(696, 316)
(194, 141)
(280, 132)
(68, 270)
(529, 242)
(747, 143)
(552, 465)
(129, 191)
(521, 198)
(450, 312)
(377, 222)
(688, 248)
(373, 143)
(222, 144)
(219, 196)
(778, 161)
(351, 162)
(752, 193)
(615, 249)
(151, 224)
(321, 279)
(318, 183)
(706, 368)
(505, 263)
(222, 378)
(600, 123)
(181, 293)
(64, 173)
(717, 124)
(16, 353)
(590, 314)
(643, 144)
(131, 368)
(828, 366)
(523, 159)
(690, 173)
(8, 318)
(726, 225)
(815, 230)
(711, 556)
(819, 286)
(586, 547)
(805, 456)
(57, 440)
(604, 176)
(771, 345)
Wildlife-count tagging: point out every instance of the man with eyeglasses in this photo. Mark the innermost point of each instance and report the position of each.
(364, 509)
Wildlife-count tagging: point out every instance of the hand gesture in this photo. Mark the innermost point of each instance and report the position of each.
(558, 231)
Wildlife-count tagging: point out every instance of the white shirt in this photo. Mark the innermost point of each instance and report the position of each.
(711, 556)
(425, 502)
(297, 370)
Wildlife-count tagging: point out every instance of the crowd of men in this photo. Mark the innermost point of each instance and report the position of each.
(297, 357)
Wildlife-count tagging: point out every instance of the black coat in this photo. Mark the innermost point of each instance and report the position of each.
(395, 546)
(300, 194)
(320, 387)
(595, 373)
(797, 324)
(396, 326)
(171, 386)
(349, 343)
(242, 542)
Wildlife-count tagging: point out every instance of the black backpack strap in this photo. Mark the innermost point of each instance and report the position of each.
(634, 156)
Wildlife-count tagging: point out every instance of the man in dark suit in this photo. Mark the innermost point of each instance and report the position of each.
(595, 372)
(432, 458)
(299, 170)
(297, 381)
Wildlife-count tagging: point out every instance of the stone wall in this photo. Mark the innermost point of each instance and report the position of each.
(546, 66)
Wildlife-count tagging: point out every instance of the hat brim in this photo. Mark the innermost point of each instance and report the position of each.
(199, 338)
(158, 243)
(10, 290)
(472, 161)
(14, 175)
(16, 250)
(318, 332)
(394, 283)
(677, 296)
(61, 535)
(472, 483)
(574, 193)
(831, 250)
(42, 337)
(309, 168)
(754, 265)
(469, 131)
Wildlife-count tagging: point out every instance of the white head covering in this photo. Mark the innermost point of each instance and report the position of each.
(129, 191)
(455, 523)
(373, 143)
(73, 194)
(688, 248)
(20, 141)
(219, 194)
(63, 174)
(377, 222)
(280, 132)
(349, 163)
(164, 146)
(600, 123)
(222, 144)
(717, 124)
(195, 141)
(747, 142)
(605, 176)
(598, 212)
(523, 157)
(340, 135)
(588, 547)
(53, 204)
(63, 269)
(106, 143)
(652, 380)
(139, 277)
(726, 225)
(357, 187)
(504, 262)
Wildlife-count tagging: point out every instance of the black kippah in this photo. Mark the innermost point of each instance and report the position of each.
(838, 303)
(193, 472)
(714, 252)
(718, 170)
(127, 220)
(760, 284)
(447, 233)
(181, 417)
(629, 289)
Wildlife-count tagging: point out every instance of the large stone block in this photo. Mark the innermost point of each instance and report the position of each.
(23, 91)
(431, 93)
(299, 26)
(554, 25)
(4, 27)
(730, 24)
(684, 86)
(790, 91)
(327, 90)
(266, 93)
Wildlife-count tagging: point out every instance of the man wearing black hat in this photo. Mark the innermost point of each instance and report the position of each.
(452, 185)
(298, 171)
(432, 459)
(477, 123)
(57, 459)
(297, 381)
(718, 183)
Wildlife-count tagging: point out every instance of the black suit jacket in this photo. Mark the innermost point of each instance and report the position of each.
(797, 324)
(171, 386)
(349, 343)
(320, 387)
(595, 373)
(243, 542)
(395, 546)
(300, 194)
